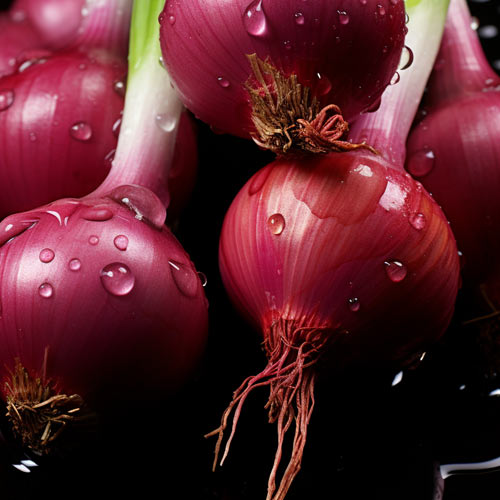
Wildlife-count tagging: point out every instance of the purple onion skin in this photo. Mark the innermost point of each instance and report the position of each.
(351, 221)
(58, 133)
(132, 335)
(205, 43)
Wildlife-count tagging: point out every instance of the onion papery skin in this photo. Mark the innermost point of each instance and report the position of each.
(347, 217)
(132, 336)
(16, 35)
(205, 46)
(58, 134)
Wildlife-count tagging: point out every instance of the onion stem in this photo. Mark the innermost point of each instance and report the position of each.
(387, 128)
(151, 114)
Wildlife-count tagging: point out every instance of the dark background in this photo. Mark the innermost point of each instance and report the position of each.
(367, 439)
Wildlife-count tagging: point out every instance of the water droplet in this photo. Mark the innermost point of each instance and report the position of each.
(82, 66)
(324, 85)
(117, 279)
(6, 99)
(276, 224)
(254, 19)
(46, 290)
(395, 270)
(223, 82)
(474, 23)
(299, 18)
(407, 18)
(119, 87)
(81, 131)
(98, 214)
(380, 10)
(32, 137)
(74, 265)
(185, 278)
(258, 180)
(121, 242)
(418, 221)
(108, 159)
(406, 58)
(395, 78)
(354, 304)
(421, 162)
(166, 122)
(203, 279)
(93, 240)
(143, 202)
(394, 2)
(116, 127)
(287, 44)
(343, 16)
(363, 2)
(171, 19)
(47, 255)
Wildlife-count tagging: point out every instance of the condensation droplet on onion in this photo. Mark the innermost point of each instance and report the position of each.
(418, 221)
(81, 131)
(121, 242)
(323, 84)
(254, 19)
(406, 59)
(93, 240)
(119, 87)
(74, 265)
(395, 78)
(117, 279)
(299, 18)
(116, 127)
(47, 255)
(166, 122)
(421, 162)
(14, 229)
(6, 99)
(354, 304)
(276, 224)
(396, 271)
(343, 17)
(184, 278)
(223, 82)
(46, 290)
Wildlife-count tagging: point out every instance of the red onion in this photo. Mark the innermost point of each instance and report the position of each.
(455, 147)
(340, 257)
(99, 302)
(237, 64)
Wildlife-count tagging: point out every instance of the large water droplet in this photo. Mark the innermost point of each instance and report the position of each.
(418, 221)
(276, 224)
(74, 265)
(47, 255)
(421, 162)
(117, 279)
(6, 99)
(395, 270)
(166, 122)
(143, 202)
(406, 58)
(185, 278)
(81, 131)
(121, 242)
(299, 18)
(354, 304)
(343, 16)
(98, 214)
(46, 290)
(254, 19)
